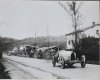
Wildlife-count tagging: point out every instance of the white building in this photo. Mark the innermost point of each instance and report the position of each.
(88, 31)
(69, 42)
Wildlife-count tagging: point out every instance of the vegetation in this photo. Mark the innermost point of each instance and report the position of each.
(3, 73)
(90, 47)
(6, 44)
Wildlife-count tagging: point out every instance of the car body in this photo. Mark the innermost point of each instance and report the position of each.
(9, 53)
(67, 57)
(27, 50)
(15, 51)
(47, 52)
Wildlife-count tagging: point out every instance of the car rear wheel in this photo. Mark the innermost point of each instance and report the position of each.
(83, 59)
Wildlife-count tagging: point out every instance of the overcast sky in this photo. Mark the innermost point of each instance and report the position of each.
(22, 18)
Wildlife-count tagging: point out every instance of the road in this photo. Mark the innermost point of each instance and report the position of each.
(43, 69)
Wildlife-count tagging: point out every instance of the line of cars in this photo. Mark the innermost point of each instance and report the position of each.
(26, 50)
(60, 56)
(30, 51)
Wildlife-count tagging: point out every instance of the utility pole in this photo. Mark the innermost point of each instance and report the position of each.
(35, 39)
(99, 10)
(48, 36)
(75, 23)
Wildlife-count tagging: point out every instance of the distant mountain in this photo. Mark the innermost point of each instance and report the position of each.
(42, 40)
(45, 39)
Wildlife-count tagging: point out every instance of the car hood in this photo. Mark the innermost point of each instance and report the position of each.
(65, 54)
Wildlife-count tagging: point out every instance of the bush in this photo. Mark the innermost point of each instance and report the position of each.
(3, 73)
(90, 47)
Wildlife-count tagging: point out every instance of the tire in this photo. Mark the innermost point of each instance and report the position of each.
(62, 63)
(83, 59)
(54, 62)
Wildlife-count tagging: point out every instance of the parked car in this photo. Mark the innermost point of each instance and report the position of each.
(68, 57)
(9, 53)
(15, 51)
(30, 50)
(39, 54)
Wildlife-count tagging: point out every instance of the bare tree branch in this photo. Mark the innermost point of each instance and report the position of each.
(71, 6)
(79, 6)
(63, 6)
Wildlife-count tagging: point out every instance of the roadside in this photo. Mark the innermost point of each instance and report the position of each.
(15, 72)
(4, 74)
(33, 72)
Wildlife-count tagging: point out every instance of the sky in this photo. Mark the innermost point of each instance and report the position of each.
(20, 19)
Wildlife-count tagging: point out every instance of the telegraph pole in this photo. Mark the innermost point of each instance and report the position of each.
(75, 23)
(99, 10)
(35, 39)
(48, 36)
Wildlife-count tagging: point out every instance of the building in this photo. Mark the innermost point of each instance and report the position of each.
(88, 31)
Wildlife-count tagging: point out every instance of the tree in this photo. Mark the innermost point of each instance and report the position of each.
(1, 47)
(4, 45)
(74, 13)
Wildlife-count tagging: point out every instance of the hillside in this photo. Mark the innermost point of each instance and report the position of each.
(43, 40)
(40, 41)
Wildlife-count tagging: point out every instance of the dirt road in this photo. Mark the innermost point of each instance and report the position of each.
(43, 69)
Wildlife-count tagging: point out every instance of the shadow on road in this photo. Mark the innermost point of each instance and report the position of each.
(69, 67)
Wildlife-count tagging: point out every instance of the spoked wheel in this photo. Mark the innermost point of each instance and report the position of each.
(83, 63)
(62, 63)
(54, 62)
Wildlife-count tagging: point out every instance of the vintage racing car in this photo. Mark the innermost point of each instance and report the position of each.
(68, 57)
